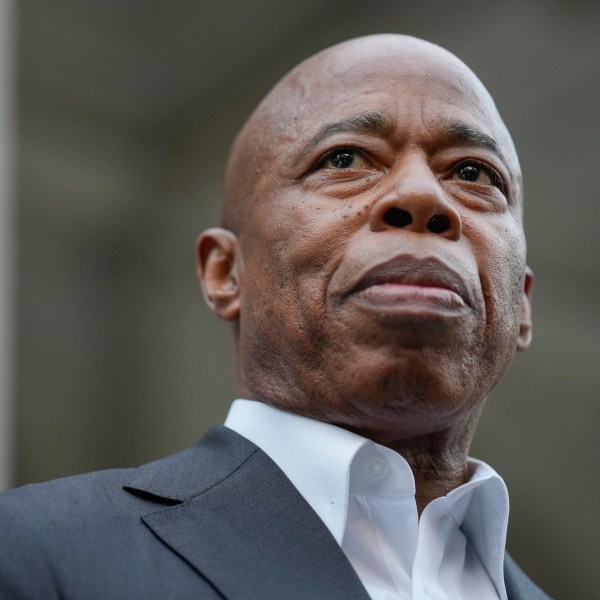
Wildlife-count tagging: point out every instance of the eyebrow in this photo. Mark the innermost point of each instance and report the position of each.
(368, 122)
(461, 132)
(378, 123)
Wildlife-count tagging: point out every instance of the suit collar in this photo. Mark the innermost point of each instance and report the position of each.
(182, 476)
(242, 525)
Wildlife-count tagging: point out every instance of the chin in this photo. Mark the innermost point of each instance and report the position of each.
(400, 387)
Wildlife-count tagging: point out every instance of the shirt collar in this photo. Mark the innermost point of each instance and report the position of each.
(331, 454)
(322, 476)
(480, 508)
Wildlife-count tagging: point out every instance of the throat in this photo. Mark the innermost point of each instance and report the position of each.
(437, 471)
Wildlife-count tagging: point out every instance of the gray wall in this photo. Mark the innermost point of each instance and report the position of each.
(126, 113)
(7, 239)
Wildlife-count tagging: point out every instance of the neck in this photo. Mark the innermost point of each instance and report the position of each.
(438, 460)
(437, 471)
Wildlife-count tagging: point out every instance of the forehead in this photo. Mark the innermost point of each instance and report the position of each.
(410, 87)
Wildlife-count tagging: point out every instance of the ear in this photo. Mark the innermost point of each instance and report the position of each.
(525, 332)
(219, 268)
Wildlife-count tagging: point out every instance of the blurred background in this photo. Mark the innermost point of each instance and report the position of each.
(115, 121)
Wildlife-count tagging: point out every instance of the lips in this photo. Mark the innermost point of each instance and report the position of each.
(410, 282)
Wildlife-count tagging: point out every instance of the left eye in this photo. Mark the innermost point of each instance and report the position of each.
(344, 158)
(478, 173)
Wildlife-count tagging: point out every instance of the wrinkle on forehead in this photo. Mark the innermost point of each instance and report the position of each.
(336, 73)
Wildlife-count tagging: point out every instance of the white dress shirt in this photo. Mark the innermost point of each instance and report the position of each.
(365, 495)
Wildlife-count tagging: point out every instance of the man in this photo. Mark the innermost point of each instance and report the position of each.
(372, 264)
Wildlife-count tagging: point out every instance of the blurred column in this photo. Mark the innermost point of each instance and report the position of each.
(7, 238)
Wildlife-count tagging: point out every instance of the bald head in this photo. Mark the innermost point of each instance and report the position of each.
(303, 100)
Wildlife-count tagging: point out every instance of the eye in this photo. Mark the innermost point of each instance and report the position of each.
(343, 158)
(478, 172)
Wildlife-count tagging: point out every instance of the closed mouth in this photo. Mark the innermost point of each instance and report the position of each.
(407, 279)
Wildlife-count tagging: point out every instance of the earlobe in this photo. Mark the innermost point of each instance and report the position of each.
(525, 331)
(218, 266)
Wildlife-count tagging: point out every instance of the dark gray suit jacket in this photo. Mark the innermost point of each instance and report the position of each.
(219, 520)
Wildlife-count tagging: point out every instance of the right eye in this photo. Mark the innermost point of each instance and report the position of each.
(343, 158)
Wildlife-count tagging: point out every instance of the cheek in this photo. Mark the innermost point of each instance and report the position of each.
(296, 246)
(289, 258)
(500, 250)
(303, 237)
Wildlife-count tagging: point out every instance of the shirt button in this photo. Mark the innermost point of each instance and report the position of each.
(378, 468)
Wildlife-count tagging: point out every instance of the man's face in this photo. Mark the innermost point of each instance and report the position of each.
(383, 254)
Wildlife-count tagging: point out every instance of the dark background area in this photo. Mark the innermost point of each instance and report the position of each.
(126, 112)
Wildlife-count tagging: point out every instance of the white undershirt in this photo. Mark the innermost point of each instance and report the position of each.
(365, 495)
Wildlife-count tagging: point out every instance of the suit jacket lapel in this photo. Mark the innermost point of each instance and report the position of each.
(244, 526)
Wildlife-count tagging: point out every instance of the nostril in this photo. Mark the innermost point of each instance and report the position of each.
(396, 217)
(438, 224)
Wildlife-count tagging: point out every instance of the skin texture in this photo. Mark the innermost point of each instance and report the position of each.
(372, 255)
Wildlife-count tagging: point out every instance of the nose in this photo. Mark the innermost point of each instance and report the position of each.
(417, 202)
